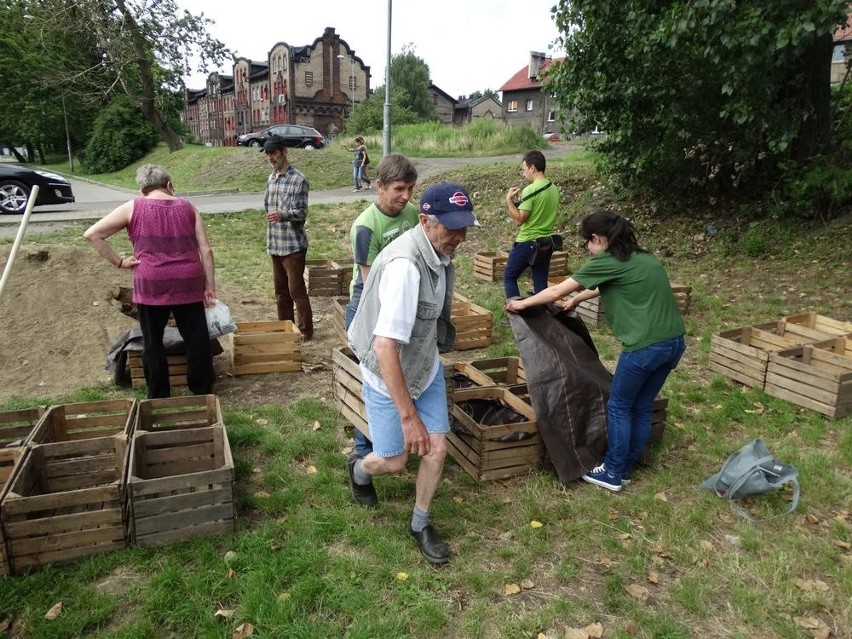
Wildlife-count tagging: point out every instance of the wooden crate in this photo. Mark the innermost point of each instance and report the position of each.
(265, 347)
(479, 454)
(489, 266)
(180, 485)
(499, 371)
(474, 324)
(177, 369)
(813, 327)
(65, 502)
(346, 385)
(559, 265)
(683, 296)
(9, 460)
(323, 278)
(86, 420)
(16, 426)
(175, 413)
(345, 266)
(338, 317)
(658, 427)
(816, 378)
(742, 354)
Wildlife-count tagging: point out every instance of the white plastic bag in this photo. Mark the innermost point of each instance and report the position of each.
(219, 320)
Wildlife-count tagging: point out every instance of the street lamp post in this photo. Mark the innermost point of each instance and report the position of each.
(386, 112)
(351, 78)
(67, 136)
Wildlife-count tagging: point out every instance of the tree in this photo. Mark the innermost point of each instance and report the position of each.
(368, 117)
(145, 47)
(410, 83)
(709, 95)
(488, 93)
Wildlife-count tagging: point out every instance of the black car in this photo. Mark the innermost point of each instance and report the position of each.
(294, 135)
(16, 182)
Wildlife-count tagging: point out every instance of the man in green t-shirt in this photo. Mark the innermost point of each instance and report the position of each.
(535, 212)
(377, 226)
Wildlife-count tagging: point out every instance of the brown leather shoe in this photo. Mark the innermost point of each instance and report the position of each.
(432, 547)
(364, 494)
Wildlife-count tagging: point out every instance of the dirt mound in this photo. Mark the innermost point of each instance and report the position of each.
(64, 307)
(60, 312)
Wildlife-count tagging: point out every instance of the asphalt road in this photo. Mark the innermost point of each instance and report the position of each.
(94, 200)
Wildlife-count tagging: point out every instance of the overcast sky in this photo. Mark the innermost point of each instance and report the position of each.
(469, 45)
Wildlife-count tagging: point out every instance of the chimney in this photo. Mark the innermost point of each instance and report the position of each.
(536, 61)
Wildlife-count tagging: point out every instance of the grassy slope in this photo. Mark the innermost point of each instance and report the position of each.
(662, 559)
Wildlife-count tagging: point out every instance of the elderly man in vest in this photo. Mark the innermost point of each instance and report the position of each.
(402, 322)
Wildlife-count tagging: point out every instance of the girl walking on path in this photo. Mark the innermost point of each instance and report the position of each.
(359, 164)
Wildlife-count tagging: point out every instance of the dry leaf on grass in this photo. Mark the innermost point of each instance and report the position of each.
(243, 630)
(262, 494)
(843, 544)
(316, 426)
(576, 633)
(536, 524)
(401, 576)
(527, 584)
(638, 592)
(653, 577)
(283, 596)
(224, 614)
(511, 589)
(812, 519)
(230, 557)
(54, 612)
(817, 627)
(595, 630)
(457, 499)
(232, 574)
(661, 497)
(311, 470)
(809, 585)
(706, 545)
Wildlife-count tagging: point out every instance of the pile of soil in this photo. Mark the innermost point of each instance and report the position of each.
(64, 307)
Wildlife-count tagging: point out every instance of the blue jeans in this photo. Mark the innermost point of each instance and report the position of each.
(638, 378)
(363, 446)
(356, 176)
(519, 261)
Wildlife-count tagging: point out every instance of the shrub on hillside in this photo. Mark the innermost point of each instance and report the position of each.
(121, 136)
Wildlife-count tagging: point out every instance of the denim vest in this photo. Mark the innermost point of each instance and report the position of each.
(432, 327)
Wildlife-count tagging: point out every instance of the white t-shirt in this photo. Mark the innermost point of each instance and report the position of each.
(398, 295)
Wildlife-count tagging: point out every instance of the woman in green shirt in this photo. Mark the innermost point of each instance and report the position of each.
(642, 313)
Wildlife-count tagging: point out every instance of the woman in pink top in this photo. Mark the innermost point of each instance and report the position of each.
(173, 274)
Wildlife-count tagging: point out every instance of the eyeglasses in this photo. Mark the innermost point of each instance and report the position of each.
(585, 245)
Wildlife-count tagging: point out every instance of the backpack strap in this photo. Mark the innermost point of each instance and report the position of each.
(534, 193)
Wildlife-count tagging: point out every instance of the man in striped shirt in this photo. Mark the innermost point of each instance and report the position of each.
(286, 204)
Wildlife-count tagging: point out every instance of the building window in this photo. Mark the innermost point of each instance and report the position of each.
(529, 105)
(309, 78)
(551, 116)
(512, 106)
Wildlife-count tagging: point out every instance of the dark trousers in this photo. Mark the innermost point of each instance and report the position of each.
(519, 259)
(288, 276)
(192, 326)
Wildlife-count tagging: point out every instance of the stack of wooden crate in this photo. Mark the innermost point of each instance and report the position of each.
(323, 278)
(803, 358)
(65, 499)
(265, 347)
(16, 427)
(181, 472)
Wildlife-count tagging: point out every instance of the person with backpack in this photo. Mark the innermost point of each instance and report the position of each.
(642, 313)
(359, 163)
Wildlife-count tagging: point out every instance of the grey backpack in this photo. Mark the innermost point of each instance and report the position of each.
(752, 471)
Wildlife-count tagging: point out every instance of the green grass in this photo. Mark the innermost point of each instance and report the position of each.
(310, 564)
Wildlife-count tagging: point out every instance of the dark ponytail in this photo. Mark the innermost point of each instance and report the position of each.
(618, 231)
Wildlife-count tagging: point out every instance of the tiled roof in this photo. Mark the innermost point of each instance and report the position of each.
(521, 80)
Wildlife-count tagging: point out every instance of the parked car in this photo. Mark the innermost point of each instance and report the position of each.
(294, 135)
(17, 180)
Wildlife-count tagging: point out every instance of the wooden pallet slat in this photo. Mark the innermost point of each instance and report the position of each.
(815, 378)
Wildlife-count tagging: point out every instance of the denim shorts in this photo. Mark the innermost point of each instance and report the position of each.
(385, 425)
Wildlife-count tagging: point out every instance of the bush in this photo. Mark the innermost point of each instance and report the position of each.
(121, 136)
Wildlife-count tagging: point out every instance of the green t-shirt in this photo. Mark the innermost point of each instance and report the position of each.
(372, 231)
(637, 296)
(542, 208)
